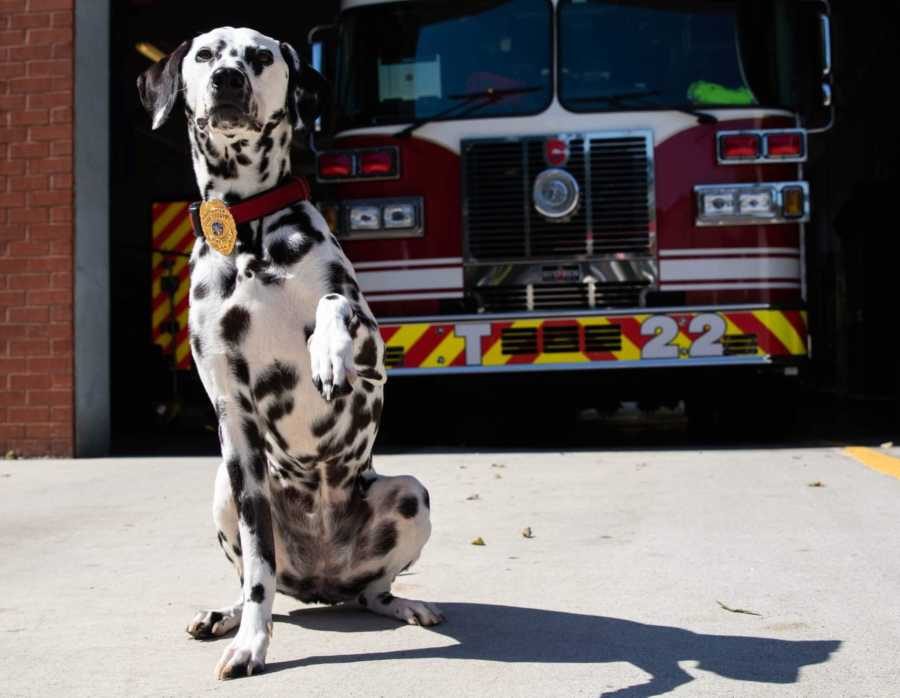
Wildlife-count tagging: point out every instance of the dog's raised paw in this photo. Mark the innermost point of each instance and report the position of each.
(331, 356)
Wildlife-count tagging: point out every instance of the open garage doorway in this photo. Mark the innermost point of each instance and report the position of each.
(158, 404)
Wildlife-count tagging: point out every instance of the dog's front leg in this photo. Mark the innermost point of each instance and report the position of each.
(331, 347)
(243, 451)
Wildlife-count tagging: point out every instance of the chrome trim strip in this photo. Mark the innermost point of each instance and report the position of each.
(766, 159)
(400, 263)
(602, 365)
(730, 251)
(662, 310)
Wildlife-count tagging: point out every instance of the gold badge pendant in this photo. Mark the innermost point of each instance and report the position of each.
(218, 226)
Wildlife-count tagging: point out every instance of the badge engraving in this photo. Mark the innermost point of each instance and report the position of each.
(218, 226)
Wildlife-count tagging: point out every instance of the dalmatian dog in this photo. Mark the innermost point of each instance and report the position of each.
(289, 354)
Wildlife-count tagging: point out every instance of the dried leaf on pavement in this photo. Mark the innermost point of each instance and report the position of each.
(739, 610)
(527, 533)
(816, 483)
(473, 497)
(478, 541)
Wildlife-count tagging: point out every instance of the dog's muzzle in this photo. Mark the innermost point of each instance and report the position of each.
(230, 92)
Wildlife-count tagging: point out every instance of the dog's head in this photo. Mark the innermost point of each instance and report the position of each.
(233, 80)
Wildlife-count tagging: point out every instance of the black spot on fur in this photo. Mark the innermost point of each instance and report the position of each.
(285, 253)
(239, 368)
(409, 506)
(245, 403)
(338, 406)
(197, 345)
(385, 539)
(277, 379)
(335, 474)
(385, 597)
(361, 449)
(298, 217)
(323, 425)
(308, 331)
(376, 409)
(227, 282)
(426, 498)
(257, 516)
(200, 291)
(259, 466)
(371, 374)
(236, 476)
(257, 593)
(368, 353)
(362, 600)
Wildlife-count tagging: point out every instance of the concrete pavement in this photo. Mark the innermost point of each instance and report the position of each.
(103, 562)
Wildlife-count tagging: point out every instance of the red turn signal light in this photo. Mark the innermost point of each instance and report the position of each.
(335, 165)
(378, 163)
(784, 145)
(740, 146)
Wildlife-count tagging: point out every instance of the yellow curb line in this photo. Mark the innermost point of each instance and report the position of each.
(869, 457)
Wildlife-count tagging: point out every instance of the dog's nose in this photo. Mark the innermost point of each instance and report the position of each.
(228, 81)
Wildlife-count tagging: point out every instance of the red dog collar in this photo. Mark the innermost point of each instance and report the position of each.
(217, 222)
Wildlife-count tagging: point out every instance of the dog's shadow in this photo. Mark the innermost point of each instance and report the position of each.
(512, 634)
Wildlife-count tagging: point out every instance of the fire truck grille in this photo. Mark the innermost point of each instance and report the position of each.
(558, 296)
(561, 339)
(615, 215)
(393, 356)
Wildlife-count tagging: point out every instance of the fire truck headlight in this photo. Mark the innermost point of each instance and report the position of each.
(752, 204)
(365, 217)
(400, 216)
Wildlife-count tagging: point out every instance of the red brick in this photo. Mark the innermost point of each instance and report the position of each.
(12, 398)
(61, 19)
(60, 295)
(28, 282)
(49, 100)
(32, 413)
(64, 50)
(61, 247)
(31, 52)
(27, 249)
(61, 115)
(9, 366)
(12, 135)
(61, 181)
(29, 182)
(11, 298)
(60, 148)
(12, 37)
(22, 85)
(38, 37)
(29, 314)
(29, 21)
(10, 431)
(57, 67)
(48, 264)
(12, 5)
(10, 70)
(28, 215)
(29, 347)
(61, 215)
(50, 166)
(50, 232)
(61, 382)
(49, 397)
(49, 198)
(51, 365)
(11, 102)
(29, 150)
(12, 198)
(32, 117)
(30, 381)
(37, 431)
(62, 414)
(39, 5)
(61, 346)
(12, 167)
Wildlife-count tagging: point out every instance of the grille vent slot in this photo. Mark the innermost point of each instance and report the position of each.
(740, 344)
(393, 356)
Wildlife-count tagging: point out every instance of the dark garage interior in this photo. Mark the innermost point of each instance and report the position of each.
(854, 379)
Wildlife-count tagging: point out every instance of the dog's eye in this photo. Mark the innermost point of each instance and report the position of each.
(264, 57)
(203, 55)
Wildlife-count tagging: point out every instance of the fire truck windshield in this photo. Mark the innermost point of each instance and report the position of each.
(409, 61)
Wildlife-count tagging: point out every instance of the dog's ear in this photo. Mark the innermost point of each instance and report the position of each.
(160, 84)
(307, 90)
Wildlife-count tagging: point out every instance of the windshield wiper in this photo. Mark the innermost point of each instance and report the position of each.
(625, 100)
(471, 100)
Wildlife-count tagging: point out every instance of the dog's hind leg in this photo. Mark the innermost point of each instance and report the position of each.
(210, 623)
(398, 532)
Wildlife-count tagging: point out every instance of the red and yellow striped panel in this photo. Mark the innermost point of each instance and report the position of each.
(172, 234)
(740, 336)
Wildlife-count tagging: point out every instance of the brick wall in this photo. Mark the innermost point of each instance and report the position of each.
(36, 235)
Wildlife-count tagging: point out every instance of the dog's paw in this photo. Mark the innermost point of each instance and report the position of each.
(331, 351)
(209, 624)
(416, 612)
(245, 656)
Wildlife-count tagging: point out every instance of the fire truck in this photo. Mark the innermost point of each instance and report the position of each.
(527, 186)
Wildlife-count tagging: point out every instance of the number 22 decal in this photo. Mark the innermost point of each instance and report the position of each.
(664, 329)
